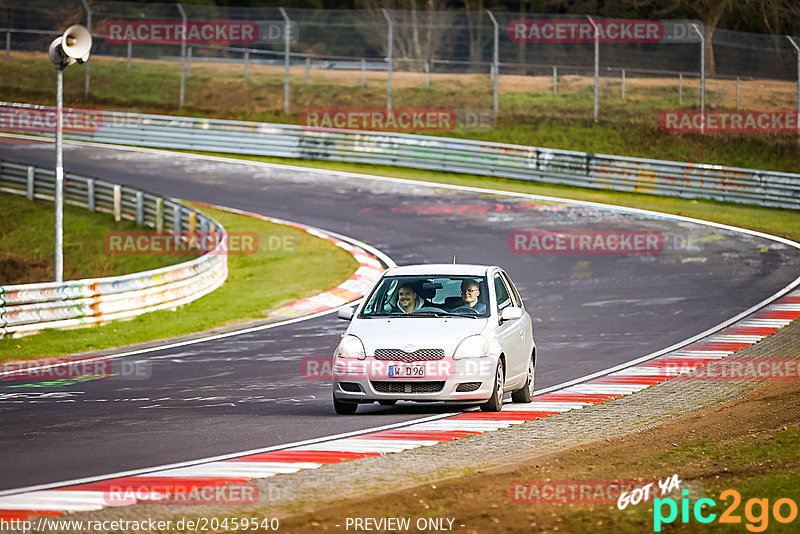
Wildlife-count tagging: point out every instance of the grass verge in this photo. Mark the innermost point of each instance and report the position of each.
(256, 284)
(27, 243)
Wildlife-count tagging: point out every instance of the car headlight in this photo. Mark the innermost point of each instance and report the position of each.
(472, 347)
(351, 347)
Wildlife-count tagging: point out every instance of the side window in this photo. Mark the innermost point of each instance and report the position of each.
(514, 292)
(500, 290)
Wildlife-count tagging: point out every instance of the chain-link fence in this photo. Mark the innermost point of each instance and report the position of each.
(476, 59)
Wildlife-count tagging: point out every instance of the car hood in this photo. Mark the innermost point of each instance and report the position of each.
(410, 334)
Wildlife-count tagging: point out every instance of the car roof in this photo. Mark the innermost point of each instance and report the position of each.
(431, 269)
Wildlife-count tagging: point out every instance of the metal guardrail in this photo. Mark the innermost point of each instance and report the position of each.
(28, 308)
(597, 171)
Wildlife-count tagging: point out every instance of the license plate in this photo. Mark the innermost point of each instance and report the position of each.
(405, 371)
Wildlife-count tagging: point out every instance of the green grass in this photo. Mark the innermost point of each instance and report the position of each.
(527, 117)
(27, 243)
(780, 222)
(256, 284)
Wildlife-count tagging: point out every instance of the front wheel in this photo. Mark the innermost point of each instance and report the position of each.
(525, 394)
(344, 408)
(495, 402)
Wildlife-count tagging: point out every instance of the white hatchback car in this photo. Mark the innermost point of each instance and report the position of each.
(453, 333)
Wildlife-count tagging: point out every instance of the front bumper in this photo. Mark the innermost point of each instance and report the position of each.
(370, 380)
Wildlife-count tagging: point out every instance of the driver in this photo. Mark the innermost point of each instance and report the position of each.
(407, 299)
(470, 291)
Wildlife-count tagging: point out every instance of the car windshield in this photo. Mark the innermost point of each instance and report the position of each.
(429, 296)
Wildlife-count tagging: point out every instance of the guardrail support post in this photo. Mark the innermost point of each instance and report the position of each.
(287, 29)
(176, 218)
(139, 208)
(31, 184)
(389, 59)
(90, 194)
(117, 203)
(159, 215)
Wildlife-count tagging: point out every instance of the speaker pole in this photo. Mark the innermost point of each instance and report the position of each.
(59, 185)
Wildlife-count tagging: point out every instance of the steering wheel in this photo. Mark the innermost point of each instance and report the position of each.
(466, 309)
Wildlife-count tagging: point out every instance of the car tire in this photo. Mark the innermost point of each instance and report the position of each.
(387, 402)
(525, 393)
(344, 408)
(495, 402)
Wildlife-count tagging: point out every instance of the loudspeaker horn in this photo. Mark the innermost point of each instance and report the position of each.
(73, 46)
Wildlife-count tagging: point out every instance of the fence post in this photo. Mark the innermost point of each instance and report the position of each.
(797, 96)
(130, 52)
(495, 60)
(31, 184)
(555, 80)
(702, 78)
(139, 208)
(117, 202)
(596, 67)
(680, 88)
(90, 194)
(390, 60)
(188, 62)
(89, 29)
(623, 84)
(427, 74)
(246, 62)
(8, 44)
(287, 28)
(308, 68)
(363, 72)
(737, 92)
(183, 57)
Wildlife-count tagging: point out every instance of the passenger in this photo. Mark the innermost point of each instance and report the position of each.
(407, 299)
(470, 291)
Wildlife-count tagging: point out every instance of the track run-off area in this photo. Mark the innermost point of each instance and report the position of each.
(592, 311)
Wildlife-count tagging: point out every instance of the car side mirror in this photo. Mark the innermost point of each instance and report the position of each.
(511, 314)
(345, 313)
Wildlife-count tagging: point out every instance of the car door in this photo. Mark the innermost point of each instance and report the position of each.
(510, 334)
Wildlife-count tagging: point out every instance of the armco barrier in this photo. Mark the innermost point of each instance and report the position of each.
(765, 188)
(28, 308)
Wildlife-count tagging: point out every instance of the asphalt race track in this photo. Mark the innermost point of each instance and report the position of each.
(591, 311)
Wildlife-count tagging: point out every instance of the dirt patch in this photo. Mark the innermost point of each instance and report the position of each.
(15, 269)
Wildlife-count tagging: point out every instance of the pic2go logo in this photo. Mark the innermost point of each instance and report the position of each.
(756, 511)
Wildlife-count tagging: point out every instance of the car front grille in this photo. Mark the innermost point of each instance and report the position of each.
(350, 387)
(408, 387)
(399, 355)
(466, 387)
